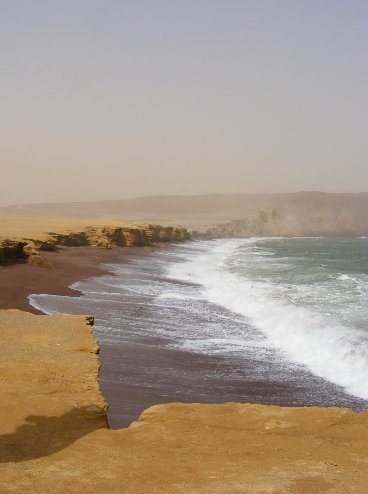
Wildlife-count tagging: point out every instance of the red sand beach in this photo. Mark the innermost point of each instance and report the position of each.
(71, 264)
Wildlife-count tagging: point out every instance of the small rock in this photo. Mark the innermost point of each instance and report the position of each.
(104, 243)
(30, 249)
(39, 261)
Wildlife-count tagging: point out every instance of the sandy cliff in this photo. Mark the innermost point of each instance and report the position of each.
(54, 437)
(24, 237)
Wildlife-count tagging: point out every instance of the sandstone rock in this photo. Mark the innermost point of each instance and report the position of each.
(40, 261)
(103, 243)
(102, 236)
(30, 249)
(11, 250)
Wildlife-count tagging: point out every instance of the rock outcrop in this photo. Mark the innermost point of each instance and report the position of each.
(109, 236)
(112, 236)
(54, 437)
(262, 223)
(40, 261)
(12, 250)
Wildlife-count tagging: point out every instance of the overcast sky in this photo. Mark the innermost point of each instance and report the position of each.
(107, 99)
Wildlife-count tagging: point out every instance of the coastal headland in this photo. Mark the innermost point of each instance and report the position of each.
(67, 250)
(54, 435)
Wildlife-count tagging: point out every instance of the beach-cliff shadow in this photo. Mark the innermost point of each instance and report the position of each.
(42, 436)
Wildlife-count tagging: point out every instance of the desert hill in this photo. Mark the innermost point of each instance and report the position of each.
(301, 213)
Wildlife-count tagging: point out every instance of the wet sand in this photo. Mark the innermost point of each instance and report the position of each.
(71, 264)
(135, 375)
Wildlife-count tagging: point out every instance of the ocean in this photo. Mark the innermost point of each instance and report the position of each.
(281, 321)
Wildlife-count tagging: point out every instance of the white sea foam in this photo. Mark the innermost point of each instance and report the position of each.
(35, 300)
(308, 336)
(175, 296)
(345, 277)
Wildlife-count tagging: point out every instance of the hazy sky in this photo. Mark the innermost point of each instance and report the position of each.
(107, 99)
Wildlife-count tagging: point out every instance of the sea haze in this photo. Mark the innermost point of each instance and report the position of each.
(267, 320)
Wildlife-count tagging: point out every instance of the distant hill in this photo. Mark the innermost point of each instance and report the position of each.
(301, 213)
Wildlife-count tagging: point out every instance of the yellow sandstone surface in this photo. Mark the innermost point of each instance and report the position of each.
(40, 228)
(54, 438)
(13, 225)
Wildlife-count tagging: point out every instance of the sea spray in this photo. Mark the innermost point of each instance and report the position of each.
(307, 335)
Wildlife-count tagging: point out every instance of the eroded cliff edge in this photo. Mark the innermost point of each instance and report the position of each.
(54, 436)
(25, 244)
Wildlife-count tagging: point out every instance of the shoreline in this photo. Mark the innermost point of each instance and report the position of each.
(70, 264)
(139, 370)
(53, 430)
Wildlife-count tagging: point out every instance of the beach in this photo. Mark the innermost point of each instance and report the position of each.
(161, 341)
(70, 264)
(73, 248)
(169, 404)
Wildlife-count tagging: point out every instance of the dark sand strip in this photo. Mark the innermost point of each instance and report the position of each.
(71, 264)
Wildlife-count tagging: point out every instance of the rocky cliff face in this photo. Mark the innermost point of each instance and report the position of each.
(308, 214)
(54, 438)
(108, 237)
(28, 248)
(11, 250)
(264, 222)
